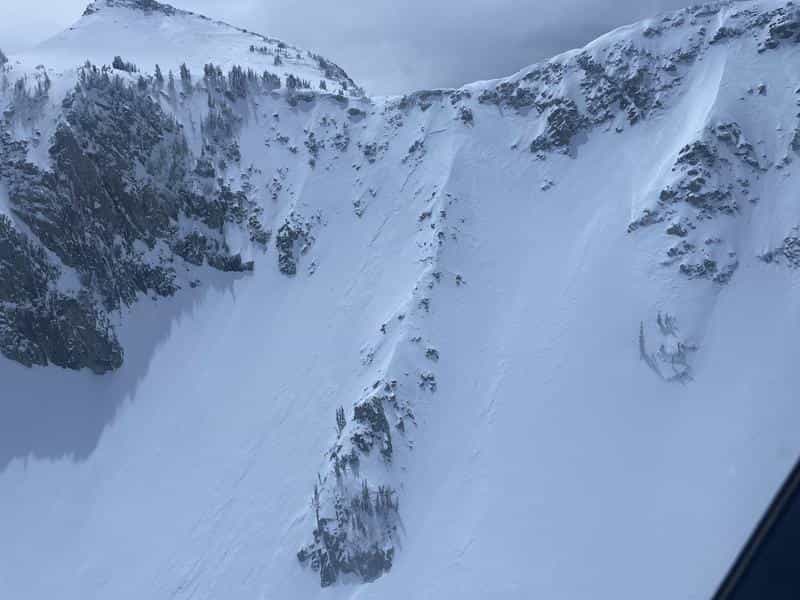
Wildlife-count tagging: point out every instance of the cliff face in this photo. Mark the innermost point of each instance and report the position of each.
(459, 342)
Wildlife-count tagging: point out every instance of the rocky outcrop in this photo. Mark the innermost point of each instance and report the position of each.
(782, 26)
(788, 253)
(121, 180)
(671, 360)
(356, 522)
(40, 325)
(562, 124)
(619, 80)
(292, 240)
(357, 541)
(710, 184)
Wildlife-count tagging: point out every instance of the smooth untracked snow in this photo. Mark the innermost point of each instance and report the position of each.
(550, 462)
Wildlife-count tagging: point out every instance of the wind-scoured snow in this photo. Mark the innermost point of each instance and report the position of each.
(590, 350)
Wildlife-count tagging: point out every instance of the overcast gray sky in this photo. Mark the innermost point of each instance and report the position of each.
(388, 46)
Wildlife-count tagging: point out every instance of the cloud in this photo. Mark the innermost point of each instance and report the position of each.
(23, 23)
(389, 46)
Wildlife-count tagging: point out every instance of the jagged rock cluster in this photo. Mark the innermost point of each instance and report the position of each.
(787, 253)
(711, 180)
(619, 79)
(782, 26)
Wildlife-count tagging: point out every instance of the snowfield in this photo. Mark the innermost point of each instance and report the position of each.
(589, 409)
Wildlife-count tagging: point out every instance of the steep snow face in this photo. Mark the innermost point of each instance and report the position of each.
(547, 322)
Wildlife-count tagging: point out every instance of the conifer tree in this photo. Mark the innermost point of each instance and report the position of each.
(171, 85)
(186, 78)
(341, 422)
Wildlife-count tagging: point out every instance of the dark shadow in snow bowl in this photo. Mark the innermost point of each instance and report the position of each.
(52, 413)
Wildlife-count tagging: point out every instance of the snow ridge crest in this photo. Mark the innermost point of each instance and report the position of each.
(147, 6)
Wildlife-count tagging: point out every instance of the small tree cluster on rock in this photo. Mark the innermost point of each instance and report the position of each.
(292, 240)
(238, 82)
(356, 525)
(186, 78)
(294, 83)
(122, 65)
(357, 539)
(341, 421)
(28, 100)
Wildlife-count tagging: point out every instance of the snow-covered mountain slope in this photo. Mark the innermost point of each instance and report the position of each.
(147, 33)
(547, 322)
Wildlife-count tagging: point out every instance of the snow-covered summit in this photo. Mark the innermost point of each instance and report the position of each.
(143, 5)
(146, 33)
